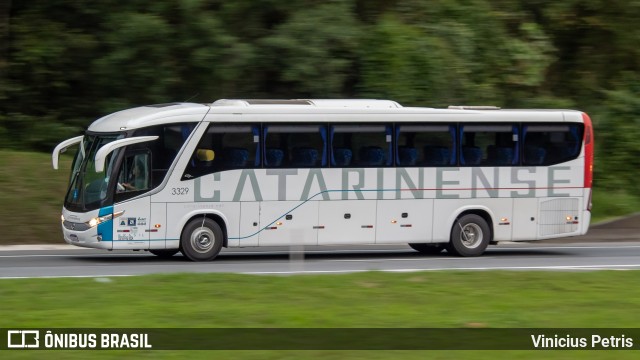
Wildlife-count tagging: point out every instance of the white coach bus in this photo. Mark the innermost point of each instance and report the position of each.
(239, 173)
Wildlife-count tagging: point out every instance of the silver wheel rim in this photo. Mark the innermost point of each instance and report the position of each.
(202, 240)
(471, 235)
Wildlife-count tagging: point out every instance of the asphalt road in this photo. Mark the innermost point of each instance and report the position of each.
(318, 260)
(614, 245)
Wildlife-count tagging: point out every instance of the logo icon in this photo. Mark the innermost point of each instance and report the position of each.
(131, 221)
(23, 339)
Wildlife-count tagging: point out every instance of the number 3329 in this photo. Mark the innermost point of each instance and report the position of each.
(179, 191)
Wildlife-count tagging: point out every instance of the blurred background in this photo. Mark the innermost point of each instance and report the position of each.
(63, 64)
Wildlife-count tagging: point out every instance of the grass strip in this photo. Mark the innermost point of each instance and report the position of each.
(603, 299)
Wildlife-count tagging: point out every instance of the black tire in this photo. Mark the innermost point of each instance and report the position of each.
(201, 239)
(470, 236)
(165, 254)
(429, 249)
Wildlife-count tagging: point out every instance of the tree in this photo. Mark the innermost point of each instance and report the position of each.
(617, 133)
(316, 58)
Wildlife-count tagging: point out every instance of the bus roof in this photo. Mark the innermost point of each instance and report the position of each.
(317, 110)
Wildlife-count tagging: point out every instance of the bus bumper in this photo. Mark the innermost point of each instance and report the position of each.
(88, 239)
(76, 231)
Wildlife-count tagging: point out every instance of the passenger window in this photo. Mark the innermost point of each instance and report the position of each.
(361, 145)
(551, 144)
(489, 145)
(295, 146)
(225, 147)
(425, 145)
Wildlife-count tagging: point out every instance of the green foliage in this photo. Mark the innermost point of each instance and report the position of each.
(618, 128)
(41, 133)
(454, 52)
(610, 202)
(31, 195)
(405, 65)
(309, 60)
(67, 63)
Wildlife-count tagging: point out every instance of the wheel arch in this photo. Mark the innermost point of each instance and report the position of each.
(481, 211)
(213, 215)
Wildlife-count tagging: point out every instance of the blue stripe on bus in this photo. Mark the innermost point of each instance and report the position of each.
(302, 203)
(105, 229)
(140, 240)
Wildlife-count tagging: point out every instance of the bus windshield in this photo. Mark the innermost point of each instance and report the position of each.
(88, 188)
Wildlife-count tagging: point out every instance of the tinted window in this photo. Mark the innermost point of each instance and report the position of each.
(425, 145)
(299, 146)
(551, 144)
(225, 147)
(489, 145)
(361, 145)
(88, 189)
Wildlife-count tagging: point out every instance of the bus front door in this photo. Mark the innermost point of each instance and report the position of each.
(131, 229)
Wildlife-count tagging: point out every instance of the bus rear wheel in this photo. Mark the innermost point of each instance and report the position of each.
(165, 254)
(470, 236)
(201, 239)
(429, 249)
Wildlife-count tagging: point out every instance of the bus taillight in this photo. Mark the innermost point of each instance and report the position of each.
(588, 151)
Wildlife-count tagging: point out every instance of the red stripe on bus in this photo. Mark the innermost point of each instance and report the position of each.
(588, 151)
(500, 188)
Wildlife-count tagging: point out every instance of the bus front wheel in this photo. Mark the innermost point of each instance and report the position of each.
(201, 239)
(470, 236)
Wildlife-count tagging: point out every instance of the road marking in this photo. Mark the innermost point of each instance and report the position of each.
(285, 252)
(69, 255)
(412, 259)
(563, 247)
(617, 267)
(562, 267)
(64, 276)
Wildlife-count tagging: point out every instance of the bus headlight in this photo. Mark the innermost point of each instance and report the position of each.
(100, 219)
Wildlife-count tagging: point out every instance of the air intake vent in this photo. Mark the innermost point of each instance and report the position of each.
(558, 216)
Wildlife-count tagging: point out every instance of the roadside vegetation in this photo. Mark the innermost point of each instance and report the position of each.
(31, 197)
(366, 300)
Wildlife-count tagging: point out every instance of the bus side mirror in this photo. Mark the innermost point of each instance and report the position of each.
(61, 148)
